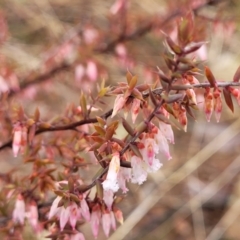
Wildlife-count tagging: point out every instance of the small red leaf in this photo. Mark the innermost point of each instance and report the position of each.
(210, 77)
(228, 99)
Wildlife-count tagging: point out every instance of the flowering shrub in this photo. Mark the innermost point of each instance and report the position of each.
(58, 195)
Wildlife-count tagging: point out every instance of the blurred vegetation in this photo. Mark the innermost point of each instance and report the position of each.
(37, 27)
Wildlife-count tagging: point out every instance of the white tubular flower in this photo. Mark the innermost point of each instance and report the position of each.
(19, 210)
(111, 182)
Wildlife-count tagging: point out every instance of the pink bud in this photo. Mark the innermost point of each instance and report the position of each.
(121, 50)
(182, 118)
(79, 73)
(17, 138)
(217, 104)
(208, 104)
(118, 215)
(191, 95)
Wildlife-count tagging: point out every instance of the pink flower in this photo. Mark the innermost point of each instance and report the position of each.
(64, 217)
(139, 174)
(113, 221)
(163, 144)
(151, 148)
(123, 176)
(54, 210)
(75, 214)
(201, 53)
(118, 104)
(19, 210)
(79, 72)
(85, 209)
(92, 71)
(106, 223)
(32, 215)
(19, 138)
(167, 131)
(111, 181)
(95, 220)
(69, 214)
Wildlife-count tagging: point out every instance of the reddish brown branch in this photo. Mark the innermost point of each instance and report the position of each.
(72, 126)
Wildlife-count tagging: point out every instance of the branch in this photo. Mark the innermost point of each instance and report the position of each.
(73, 125)
(70, 126)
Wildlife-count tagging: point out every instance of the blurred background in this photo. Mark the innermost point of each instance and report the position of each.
(196, 195)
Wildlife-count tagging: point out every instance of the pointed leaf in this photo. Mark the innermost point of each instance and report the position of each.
(101, 121)
(83, 105)
(154, 101)
(173, 97)
(175, 48)
(36, 115)
(110, 132)
(129, 77)
(163, 77)
(133, 82)
(135, 150)
(228, 99)
(100, 130)
(169, 61)
(103, 92)
(190, 112)
(99, 189)
(210, 77)
(127, 127)
(70, 184)
(193, 47)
